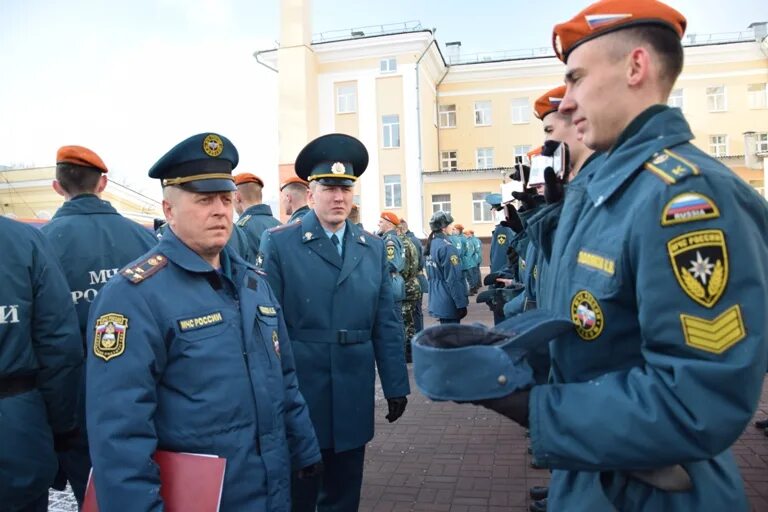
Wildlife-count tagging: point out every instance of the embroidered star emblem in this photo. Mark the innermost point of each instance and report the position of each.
(701, 268)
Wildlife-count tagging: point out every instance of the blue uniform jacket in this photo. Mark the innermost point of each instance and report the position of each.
(500, 240)
(93, 242)
(254, 221)
(342, 324)
(203, 365)
(447, 288)
(38, 337)
(396, 259)
(477, 253)
(298, 214)
(660, 261)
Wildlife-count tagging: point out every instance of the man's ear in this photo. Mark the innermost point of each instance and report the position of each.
(59, 189)
(102, 184)
(638, 66)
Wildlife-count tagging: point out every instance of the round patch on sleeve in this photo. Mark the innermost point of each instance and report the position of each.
(587, 315)
(688, 207)
(454, 259)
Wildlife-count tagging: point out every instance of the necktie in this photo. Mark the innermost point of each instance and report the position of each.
(336, 243)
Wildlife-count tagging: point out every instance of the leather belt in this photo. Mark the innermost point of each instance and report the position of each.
(339, 336)
(16, 384)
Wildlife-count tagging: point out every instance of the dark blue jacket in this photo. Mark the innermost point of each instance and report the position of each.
(188, 359)
(447, 288)
(661, 261)
(93, 242)
(500, 239)
(342, 324)
(254, 221)
(39, 337)
(298, 214)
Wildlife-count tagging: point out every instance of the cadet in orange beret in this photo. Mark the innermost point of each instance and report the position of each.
(293, 194)
(92, 241)
(255, 216)
(659, 269)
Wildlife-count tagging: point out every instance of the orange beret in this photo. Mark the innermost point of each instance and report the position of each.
(549, 102)
(355, 207)
(293, 179)
(534, 152)
(78, 155)
(246, 177)
(608, 15)
(391, 217)
(459, 227)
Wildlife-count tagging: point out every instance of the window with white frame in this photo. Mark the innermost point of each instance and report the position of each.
(483, 113)
(716, 98)
(480, 211)
(761, 142)
(676, 98)
(718, 145)
(484, 158)
(392, 191)
(521, 111)
(447, 116)
(441, 202)
(346, 99)
(391, 131)
(757, 95)
(388, 65)
(521, 154)
(448, 161)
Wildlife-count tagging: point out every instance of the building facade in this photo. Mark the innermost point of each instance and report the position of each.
(443, 132)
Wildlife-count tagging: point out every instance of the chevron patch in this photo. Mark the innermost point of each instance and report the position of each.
(715, 336)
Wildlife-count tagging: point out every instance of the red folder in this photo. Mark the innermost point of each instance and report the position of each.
(189, 482)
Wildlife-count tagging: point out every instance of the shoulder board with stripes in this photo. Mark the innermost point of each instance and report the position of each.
(145, 268)
(671, 167)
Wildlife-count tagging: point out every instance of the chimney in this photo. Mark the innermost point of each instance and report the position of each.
(760, 28)
(453, 51)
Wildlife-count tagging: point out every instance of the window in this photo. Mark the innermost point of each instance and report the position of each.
(758, 95)
(484, 158)
(392, 192)
(388, 65)
(448, 161)
(761, 142)
(521, 111)
(716, 98)
(391, 127)
(482, 113)
(718, 145)
(346, 99)
(480, 210)
(441, 202)
(676, 99)
(447, 116)
(521, 154)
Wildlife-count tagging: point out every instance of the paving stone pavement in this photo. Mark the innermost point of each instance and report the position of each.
(446, 457)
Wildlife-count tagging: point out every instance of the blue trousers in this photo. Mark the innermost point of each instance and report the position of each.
(337, 489)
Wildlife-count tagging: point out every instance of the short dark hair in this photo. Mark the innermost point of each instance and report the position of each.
(77, 179)
(663, 41)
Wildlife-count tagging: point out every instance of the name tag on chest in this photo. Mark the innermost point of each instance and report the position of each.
(199, 322)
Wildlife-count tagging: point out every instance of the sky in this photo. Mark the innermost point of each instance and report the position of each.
(131, 79)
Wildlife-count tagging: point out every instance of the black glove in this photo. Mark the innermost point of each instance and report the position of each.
(311, 471)
(554, 185)
(529, 198)
(513, 406)
(396, 408)
(462, 312)
(64, 441)
(521, 173)
(511, 218)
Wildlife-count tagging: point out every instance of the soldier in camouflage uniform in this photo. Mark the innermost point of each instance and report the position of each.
(413, 291)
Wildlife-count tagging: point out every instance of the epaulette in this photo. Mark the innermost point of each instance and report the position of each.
(671, 167)
(242, 221)
(283, 227)
(145, 268)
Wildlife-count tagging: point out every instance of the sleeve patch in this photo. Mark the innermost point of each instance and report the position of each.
(670, 166)
(717, 335)
(390, 251)
(109, 337)
(145, 268)
(700, 263)
(688, 207)
(454, 260)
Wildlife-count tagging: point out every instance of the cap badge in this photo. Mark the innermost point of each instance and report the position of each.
(338, 168)
(596, 21)
(213, 145)
(308, 235)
